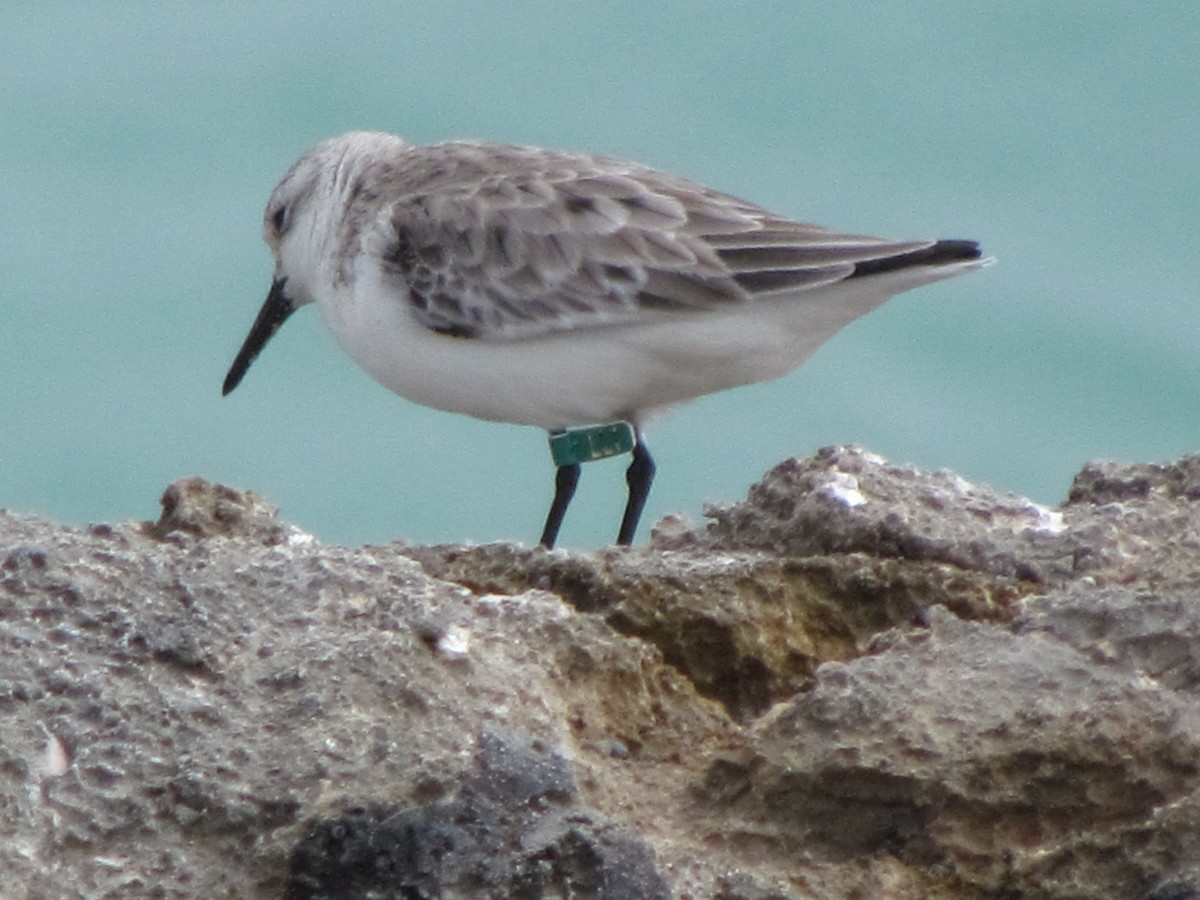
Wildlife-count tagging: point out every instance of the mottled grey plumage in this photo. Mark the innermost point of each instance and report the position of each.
(500, 242)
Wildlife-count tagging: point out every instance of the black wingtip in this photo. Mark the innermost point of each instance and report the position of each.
(948, 251)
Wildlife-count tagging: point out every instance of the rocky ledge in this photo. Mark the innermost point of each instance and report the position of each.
(862, 681)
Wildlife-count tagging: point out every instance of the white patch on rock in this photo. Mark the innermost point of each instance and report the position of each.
(844, 488)
(456, 641)
(1048, 521)
(300, 539)
(55, 759)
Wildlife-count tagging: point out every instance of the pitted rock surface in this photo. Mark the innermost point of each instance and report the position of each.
(864, 680)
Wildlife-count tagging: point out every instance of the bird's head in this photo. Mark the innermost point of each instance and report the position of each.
(304, 224)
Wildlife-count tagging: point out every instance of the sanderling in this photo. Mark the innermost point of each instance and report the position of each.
(561, 290)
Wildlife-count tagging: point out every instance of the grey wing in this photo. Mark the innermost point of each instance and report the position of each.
(521, 255)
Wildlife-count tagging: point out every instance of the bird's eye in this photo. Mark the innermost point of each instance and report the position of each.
(278, 218)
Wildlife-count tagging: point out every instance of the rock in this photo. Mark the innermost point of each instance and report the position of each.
(987, 754)
(515, 829)
(200, 509)
(746, 628)
(1119, 524)
(864, 680)
(846, 500)
(1108, 482)
(179, 716)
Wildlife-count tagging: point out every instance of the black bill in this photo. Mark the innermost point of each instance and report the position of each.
(274, 313)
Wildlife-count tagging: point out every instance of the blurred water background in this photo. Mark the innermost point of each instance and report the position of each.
(139, 141)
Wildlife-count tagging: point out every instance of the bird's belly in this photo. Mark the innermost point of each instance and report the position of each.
(560, 379)
(590, 375)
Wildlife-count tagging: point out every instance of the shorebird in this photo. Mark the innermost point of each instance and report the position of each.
(579, 294)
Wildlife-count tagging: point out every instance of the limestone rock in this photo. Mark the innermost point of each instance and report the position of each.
(180, 715)
(863, 681)
(995, 758)
(845, 499)
(1119, 523)
(746, 628)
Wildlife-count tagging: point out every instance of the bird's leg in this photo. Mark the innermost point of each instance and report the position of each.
(638, 476)
(564, 489)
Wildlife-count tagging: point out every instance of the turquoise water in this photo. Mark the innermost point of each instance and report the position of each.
(139, 141)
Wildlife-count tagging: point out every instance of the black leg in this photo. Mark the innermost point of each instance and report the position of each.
(638, 476)
(564, 490)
